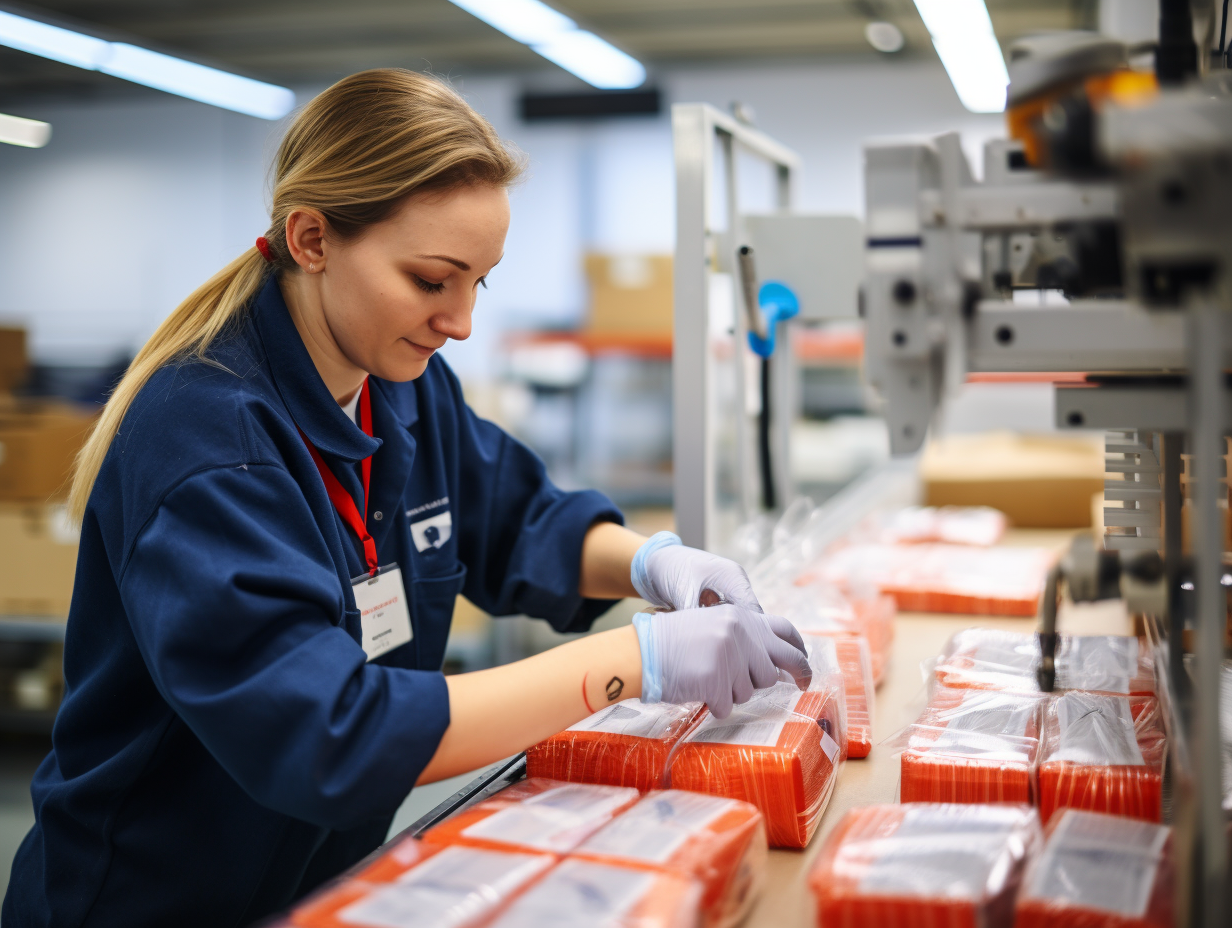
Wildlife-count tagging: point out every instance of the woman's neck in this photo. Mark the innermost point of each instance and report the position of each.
(342, 378)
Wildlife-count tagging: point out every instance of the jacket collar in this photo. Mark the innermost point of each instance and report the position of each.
(313, 409)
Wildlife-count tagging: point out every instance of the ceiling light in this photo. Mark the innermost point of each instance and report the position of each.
(885, 37)
(557, 38)
(28, 133)
(142, 66)
(963, 36)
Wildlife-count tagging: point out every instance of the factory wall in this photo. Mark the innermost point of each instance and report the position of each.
(135, 203)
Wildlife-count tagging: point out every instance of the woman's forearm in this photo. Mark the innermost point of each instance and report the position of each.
(498, 712)
(607, 555)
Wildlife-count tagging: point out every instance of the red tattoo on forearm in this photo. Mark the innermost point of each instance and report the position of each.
(584, 699)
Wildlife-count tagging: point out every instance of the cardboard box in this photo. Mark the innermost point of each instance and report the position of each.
(38, 442)
(630, 294)
(38, 557)
(1038, 481)
(14, 365)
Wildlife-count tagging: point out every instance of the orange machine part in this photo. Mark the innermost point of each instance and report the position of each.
(1083, 763)
(583, 892)
(719, 842)
(790, 781)
(613, 758)
(1057, 889)
(973, 746)
(923, 865)
(535, 814)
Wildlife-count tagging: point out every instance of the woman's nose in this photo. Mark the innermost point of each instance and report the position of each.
(455, 324)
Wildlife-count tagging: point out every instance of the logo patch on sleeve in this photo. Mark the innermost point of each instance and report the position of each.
(432, 532)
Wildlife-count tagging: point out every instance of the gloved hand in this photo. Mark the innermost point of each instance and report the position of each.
(716, 655)
(667, 574)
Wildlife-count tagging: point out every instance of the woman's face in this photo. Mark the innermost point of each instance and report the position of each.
(397, 293)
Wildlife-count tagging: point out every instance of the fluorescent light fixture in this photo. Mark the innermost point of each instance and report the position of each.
(962, 34)
(28, 133)
(557, 38)
(142, 66)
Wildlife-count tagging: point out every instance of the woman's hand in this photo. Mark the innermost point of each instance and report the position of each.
(671, 576)
(716, 655)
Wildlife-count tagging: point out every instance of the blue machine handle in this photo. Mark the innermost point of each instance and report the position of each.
(777, 303)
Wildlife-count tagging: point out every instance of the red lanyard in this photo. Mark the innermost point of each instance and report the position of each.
(341, 498)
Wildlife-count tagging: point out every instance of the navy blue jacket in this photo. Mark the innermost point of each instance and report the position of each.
(223, 747)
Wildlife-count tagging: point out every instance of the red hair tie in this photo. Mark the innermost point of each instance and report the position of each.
(263, 247)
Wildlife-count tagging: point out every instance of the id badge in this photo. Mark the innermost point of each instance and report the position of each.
(384, 615)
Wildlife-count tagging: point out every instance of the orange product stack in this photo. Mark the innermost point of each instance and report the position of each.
(535, 814)
(1103, 754)
(944, 577)
(582, 892)
(820, 609)
(973, 746)
(719, 842)
(991, 659)
(924, 864)
(781, 751)
(628, 744)
(1100, 871)
(414, 883)
(852, 661)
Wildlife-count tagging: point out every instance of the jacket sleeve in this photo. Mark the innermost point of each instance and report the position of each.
(521, 535)
(236, 607)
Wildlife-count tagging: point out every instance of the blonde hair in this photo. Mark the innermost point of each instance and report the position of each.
(355, 153)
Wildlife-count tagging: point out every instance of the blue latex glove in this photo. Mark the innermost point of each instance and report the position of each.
(716, 655)
(668, 575)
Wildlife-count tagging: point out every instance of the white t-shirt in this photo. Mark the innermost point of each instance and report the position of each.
(352, 408)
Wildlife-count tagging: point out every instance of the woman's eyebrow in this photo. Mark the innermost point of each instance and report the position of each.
(460, 265)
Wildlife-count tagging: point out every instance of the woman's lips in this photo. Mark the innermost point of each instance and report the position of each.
(422, 350)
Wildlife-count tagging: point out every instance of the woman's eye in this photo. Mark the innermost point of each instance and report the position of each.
(426, 285)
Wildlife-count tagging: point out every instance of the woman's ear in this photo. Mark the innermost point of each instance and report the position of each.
(306, 239)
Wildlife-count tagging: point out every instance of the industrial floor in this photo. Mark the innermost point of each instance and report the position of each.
(20, 757)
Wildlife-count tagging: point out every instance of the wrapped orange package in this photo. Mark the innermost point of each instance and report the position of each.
(582, 893)
(972, 746)
(1100, 871)
(719, 842)
(535, 814)
(417, 884)
(855, 666)
(924, 865)
(781, 751)
(991, 659)
(981, 526)
(820, 609)
(628, 744)
(1103, 754)
(944, 577)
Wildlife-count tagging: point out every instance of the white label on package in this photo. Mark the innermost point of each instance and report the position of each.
(578, 893)
(758, 722)
(829, 745)
(1097, 662)
(1096, 731)
(555, 820)
(636, 719)
(452, 888)
(990, 725)
(1100, 862)
(656, 827)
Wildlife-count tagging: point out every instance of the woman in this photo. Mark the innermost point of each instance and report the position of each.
(279, 505)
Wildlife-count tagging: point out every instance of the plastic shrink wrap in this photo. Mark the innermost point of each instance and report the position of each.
(781, 751)
(820, 609)
(1103, 754)
(1099, 871)
(924, 865)
(855, 666)
(719, 842)
(535, 814)
(991, 659)
(628, 744)
(944, 578)
(972, 746)
(981, 526)
(584, 894)
(420, 885)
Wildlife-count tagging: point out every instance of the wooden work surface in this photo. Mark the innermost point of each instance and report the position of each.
(785, 902)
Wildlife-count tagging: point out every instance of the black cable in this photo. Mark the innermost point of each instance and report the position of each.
(1223, 30)
(763, 440)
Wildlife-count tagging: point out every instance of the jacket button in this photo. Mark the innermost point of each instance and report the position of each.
(378, 515)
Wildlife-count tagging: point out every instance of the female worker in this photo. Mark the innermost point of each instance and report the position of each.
(279, 505)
